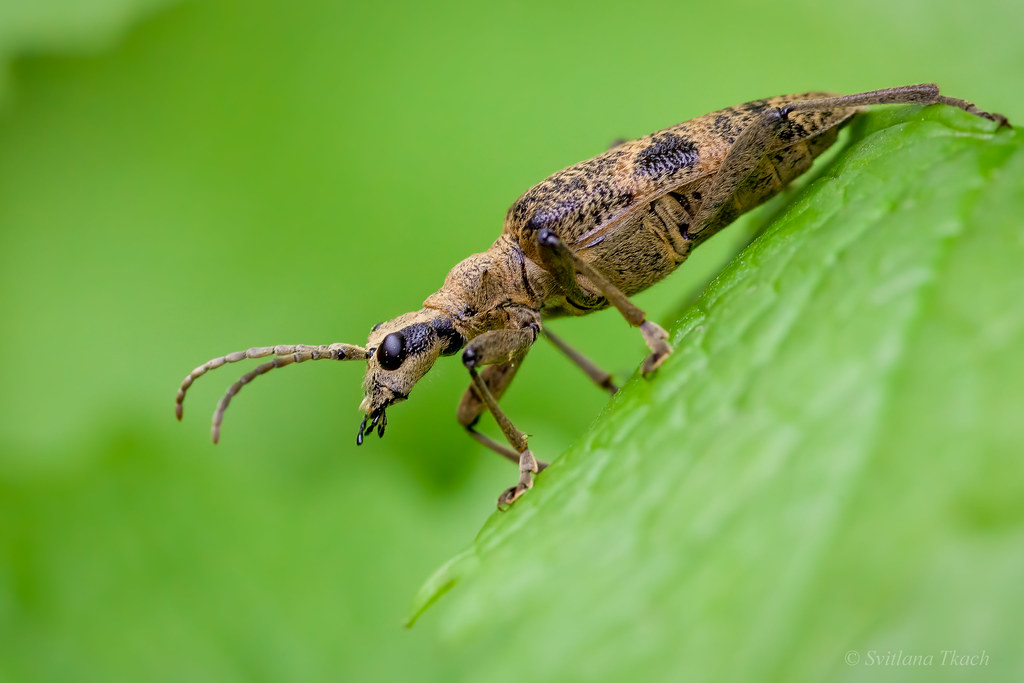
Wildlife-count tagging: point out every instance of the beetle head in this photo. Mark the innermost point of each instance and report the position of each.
(400, 352)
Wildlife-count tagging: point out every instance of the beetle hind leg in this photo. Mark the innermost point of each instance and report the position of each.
(924, 93)
(748, 175)
(971, 109)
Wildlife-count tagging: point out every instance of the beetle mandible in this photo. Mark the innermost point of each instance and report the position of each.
(588, 237)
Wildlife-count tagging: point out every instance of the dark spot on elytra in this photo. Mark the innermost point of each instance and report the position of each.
(666, 154)
(538, 222)
(725, 125)
(582, 194)
(791, 130)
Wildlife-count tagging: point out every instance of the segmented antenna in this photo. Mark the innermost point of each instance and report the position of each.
(286, 355)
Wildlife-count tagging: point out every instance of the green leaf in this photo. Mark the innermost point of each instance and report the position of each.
(829, 463)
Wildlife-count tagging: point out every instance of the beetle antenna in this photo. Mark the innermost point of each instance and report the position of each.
(286, 355)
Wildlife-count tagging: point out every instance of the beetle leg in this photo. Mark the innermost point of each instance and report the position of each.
(502, 351)
(601, 378)
(924, 93)
(760, 139)
(558, 260)
(553, 250)
(496, 378)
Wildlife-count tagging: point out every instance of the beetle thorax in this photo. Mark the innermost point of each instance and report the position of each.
(487, 291)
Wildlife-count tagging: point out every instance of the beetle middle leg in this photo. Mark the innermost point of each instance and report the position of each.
(602, 379)
(565, 264)
(502, 351)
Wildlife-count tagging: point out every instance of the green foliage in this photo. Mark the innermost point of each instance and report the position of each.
(829, 462)
(64, 25)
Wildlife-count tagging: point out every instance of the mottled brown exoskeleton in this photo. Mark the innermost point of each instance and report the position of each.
(589, 236)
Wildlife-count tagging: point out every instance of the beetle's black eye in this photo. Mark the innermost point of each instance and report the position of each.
(376, 327)
(392, 351)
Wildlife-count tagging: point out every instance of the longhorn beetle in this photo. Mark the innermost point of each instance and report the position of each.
(587, 237)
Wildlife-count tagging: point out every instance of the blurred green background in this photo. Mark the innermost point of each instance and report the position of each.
(181, 180)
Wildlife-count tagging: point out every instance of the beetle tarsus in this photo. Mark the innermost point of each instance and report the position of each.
(528, 466)
(657, 340)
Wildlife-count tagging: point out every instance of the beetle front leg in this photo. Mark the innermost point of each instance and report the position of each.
(496, 378)
(502, 351)
(564, 264)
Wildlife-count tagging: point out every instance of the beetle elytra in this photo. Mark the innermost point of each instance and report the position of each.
(588, 237)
